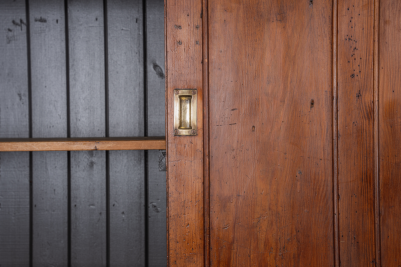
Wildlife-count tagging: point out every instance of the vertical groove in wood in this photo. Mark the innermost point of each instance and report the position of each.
(106, 123)
(29, 67)
(335, 135)
(166, 125)
(145, 115)
(376, 131)
(206, 134)
(68, 126)
(68, 130)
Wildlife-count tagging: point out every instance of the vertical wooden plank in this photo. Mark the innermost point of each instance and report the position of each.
(185, 154)
(49, 119)
(389, 131)
(87, 113)
(14, 122)
(126, 118)
(155, 75)
(14, 212)
(270, 112)
(376, 130)
(355, 132)
(335, 136)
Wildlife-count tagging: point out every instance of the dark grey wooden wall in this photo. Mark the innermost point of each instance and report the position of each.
(72, 68)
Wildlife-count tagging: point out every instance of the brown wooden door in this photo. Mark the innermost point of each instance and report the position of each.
(296, 164)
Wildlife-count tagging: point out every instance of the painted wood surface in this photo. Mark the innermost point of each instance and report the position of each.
(75, 80)
(126, 118)
(155, 97)
(87, 114)
(14, 122)
(49, 119)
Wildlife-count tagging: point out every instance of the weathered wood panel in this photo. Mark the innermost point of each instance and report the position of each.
(389, 131)
(185, 156)
(87, 112)
(49, 119)
(270, 84)
(355, 133)
(155, 75)
(14, 122)
(126, 118)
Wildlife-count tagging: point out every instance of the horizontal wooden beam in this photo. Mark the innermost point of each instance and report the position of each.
(80, 144)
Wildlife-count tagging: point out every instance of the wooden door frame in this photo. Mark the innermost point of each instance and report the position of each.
(187, 156)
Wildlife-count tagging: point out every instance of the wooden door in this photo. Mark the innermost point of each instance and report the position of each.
(296, 162)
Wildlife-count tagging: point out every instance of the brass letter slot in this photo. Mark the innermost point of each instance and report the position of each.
(185, 108)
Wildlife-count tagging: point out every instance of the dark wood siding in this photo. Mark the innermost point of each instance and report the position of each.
(49, 119)
(72, 68)
(14, 122)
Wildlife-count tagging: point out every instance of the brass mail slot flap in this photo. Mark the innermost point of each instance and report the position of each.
(185, 108)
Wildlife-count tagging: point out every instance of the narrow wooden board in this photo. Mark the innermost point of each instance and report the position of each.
(81, 144)
(389, 132)
(355, 133)
(185, 153)
(87, 113)
(157, 243)
(49, 119)
(14, 123)
(126, 118)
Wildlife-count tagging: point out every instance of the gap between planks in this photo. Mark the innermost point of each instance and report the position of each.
(81, 144)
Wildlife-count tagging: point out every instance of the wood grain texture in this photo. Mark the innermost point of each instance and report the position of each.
(80, 144)
(126, 118)
(270, 84)
(355, 133)
(185, 154)
(389, 132)
(49, 119)
(155, 91)
(87, 113)
(14, 122)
